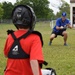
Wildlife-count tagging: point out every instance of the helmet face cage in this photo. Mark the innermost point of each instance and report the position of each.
(23, 15)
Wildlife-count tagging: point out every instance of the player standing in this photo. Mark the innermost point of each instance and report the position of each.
(23, 51)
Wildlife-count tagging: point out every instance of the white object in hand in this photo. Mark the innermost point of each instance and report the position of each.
(61, 27)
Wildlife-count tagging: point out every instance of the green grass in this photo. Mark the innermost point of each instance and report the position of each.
(59, 57)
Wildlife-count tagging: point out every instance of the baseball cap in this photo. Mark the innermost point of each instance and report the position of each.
(63, 14)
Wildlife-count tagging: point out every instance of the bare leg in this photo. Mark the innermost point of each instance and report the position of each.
(51, 38)
(65, 36)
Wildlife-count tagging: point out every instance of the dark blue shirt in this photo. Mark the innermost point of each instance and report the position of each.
(60, 23)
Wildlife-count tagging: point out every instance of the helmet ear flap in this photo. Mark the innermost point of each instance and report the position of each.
(23, 15)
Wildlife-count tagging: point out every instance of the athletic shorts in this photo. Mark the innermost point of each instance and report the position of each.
(58, 33)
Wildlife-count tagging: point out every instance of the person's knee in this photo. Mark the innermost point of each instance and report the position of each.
(52, 36)
(65, 33)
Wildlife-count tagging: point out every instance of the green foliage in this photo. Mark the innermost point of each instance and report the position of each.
(41, 7)
(1, 11)
(59, 57)
(65, 7)
(7, 7)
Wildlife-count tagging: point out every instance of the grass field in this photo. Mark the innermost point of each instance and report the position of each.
(59, 57)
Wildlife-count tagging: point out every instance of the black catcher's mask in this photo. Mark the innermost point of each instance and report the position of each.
(23, 15)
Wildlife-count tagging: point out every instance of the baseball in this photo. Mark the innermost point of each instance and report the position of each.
(61, 27)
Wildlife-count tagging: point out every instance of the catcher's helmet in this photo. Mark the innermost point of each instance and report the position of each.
(23, 15)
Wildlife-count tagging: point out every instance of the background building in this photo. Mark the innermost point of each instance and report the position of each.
(72, 12)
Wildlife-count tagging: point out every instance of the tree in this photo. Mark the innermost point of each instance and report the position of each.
(65, 7)
(41, 7)
(1, 11)
(7, 7)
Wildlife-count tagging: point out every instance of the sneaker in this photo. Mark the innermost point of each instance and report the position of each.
(50, 43)
(65, 44)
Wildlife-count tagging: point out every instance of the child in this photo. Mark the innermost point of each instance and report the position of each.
(23, 47)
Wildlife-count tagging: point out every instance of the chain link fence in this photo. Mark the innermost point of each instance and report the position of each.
(7, 21)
